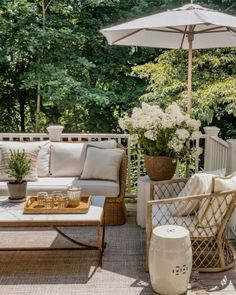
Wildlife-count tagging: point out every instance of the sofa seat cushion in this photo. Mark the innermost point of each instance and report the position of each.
(49, 184)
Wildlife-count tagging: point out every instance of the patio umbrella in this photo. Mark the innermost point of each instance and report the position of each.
(188, 27)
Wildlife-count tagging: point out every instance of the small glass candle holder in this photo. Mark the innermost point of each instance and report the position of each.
(41, 197)
(63, 202)
(73, 193)
(49, 204)
(56, 196)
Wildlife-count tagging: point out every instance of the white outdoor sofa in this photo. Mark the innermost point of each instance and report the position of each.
(61, 163)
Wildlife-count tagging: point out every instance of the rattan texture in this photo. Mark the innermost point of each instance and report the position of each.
(205, 216)
(115, 210)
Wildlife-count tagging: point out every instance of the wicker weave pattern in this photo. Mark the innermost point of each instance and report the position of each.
(206, 223)
(115, 211)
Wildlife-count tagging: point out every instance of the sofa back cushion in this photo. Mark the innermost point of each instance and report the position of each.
(43, 155)
(67, 159)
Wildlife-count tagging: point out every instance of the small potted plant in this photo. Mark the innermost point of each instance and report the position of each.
(17, 167)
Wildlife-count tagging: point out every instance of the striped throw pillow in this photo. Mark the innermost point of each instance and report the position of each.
(32, 155)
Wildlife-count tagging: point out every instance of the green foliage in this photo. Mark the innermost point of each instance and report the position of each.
(86, 84)
(18, 165)
(213, 81)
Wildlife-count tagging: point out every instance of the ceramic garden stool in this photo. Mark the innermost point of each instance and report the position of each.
(170, 259)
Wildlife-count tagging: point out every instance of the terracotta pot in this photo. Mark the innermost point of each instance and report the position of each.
(17, 191)
(160, 168)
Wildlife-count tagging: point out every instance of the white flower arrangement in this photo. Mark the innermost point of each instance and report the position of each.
(162, 132)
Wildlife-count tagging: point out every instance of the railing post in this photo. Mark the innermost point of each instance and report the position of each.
(231, 163)
(209, 131)
(55, 132)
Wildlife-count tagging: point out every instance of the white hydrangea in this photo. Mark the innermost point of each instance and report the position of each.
(196, 152)
(173, 111)
(134, 139)
(182, 134)
(176, 145)
(195, 124)
(170, 128)
(196, 135)
(150, 134)
(125, 122)
(167, 122)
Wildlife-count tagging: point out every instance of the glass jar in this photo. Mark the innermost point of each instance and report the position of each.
(73, 193)
(63, 202)
(41, 197)
(49, 204)
(56, 196)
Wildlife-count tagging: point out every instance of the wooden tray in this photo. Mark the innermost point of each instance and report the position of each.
(31, 207)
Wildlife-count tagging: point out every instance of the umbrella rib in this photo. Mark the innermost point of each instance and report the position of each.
(212, 30)
(126, 36)
(178, 30)
(166, 31)
(231, 29)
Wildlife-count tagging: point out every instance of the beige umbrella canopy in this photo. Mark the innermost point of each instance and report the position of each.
(188, 27)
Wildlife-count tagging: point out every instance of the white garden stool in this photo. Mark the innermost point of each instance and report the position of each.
(170, 259)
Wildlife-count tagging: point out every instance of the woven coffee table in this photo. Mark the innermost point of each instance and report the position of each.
(11, 215)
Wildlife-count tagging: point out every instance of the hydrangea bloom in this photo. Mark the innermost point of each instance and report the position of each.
(161, 132)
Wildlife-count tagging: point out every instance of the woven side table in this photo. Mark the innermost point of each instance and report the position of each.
(170, 259)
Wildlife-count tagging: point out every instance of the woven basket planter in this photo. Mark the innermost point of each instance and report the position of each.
(160, 168)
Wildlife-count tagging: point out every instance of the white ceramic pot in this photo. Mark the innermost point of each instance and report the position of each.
(55, 132)
(170, 259)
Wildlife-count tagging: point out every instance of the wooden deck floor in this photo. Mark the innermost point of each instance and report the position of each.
(221, 283)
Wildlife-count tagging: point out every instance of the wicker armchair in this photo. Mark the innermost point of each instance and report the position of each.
(206, 222)
(115, 210)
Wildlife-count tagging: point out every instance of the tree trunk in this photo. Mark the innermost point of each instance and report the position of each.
(22, 113)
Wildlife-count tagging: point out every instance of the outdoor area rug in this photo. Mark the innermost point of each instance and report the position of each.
(74, 272)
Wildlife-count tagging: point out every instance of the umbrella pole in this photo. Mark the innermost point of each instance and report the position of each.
(189, 83)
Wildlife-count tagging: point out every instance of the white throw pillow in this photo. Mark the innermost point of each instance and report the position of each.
(102, 164)
(31, 153)
(198, 184)
(43, 155)
(213, 210)
(104, 144)
(224, 183)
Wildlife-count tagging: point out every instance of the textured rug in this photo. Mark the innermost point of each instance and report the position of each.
(74, 272)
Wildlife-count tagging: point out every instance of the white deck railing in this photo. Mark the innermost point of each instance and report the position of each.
(217, 152)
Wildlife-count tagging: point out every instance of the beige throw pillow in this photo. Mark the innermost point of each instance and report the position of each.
(32, 155)
(224, 183)
(104, 144)
(102, 164)
(212, 210)
(199, 183)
